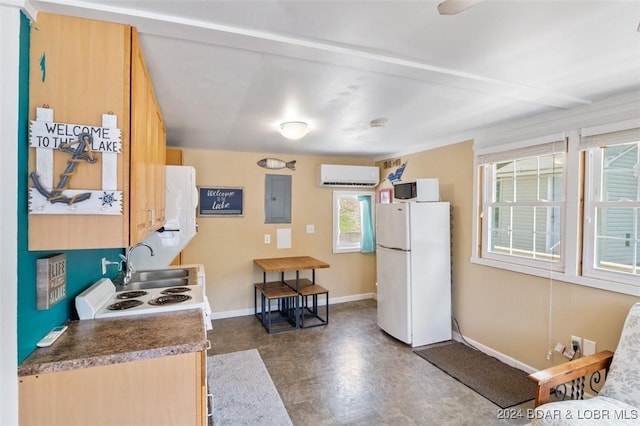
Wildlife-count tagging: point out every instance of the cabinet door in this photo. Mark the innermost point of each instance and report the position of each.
(156, 161)
(80, 69)
(203, 408)
(156, 391)
(161, 161)
(148, 144)
(140, 216)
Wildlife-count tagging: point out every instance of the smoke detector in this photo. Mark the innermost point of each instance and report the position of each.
(378, 122)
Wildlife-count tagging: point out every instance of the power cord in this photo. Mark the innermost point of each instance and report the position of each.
(457, 327)
(576, 351)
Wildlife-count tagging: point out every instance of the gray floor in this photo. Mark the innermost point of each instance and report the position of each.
(351, 373)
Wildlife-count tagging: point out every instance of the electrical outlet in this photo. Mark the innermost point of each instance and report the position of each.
(559, 348)
(267, 238)
(589, 347)
(576, 345)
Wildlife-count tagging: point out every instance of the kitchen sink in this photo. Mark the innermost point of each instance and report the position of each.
(158, 278)
(160, 274)
(167, 282)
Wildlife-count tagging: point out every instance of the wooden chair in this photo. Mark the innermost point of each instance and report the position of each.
(618, 402)
(311, 312)
(287, 305)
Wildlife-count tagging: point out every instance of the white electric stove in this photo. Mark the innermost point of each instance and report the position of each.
(101, 300)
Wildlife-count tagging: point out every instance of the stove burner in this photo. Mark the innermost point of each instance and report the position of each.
(125, 304)
(176, 290)
(166, 300)
(131, 294)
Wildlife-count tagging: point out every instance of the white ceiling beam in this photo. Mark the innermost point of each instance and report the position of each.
(299, 48)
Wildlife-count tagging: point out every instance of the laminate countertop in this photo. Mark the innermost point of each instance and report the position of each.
(91, 343)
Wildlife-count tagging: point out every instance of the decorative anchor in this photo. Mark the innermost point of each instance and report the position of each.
(77, 154)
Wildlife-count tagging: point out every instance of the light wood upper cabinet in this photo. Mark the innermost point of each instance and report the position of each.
(174, 157)
(148, 142)
(82, 69)
(158, 161)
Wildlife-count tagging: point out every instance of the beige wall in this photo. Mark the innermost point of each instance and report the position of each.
(507, 311)
(227, 246)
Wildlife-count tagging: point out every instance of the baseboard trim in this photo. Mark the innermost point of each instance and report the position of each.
(332, 301)
(492, 352)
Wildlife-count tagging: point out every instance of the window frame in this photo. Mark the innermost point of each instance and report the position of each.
(574, 229)
(336, 221)
(552, 144)
(592, 142)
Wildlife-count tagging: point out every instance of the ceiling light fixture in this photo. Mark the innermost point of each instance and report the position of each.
(453, 7)
(294, 129)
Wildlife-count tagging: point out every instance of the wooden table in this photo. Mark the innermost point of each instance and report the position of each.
(290, 264)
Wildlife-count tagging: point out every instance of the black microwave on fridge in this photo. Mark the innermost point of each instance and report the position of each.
(420, 190)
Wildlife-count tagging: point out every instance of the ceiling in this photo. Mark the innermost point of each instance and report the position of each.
(226, 73)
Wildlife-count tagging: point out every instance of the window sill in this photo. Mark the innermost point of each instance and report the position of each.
(339, 251)
(600, 284)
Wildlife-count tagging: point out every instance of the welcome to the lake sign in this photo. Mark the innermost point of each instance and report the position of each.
(52, 135)
(80, 146)
(220, 201)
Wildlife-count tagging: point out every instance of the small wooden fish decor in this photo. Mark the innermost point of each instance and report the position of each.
(275, 164)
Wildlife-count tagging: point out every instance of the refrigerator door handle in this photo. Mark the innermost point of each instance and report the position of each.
(392, 248)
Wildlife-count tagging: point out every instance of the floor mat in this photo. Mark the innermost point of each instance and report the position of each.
(243, 392)
(500, 383)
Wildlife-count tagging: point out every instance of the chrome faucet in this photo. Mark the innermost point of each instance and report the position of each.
(130, 270)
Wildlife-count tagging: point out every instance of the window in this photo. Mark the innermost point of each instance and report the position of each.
(353, 221)
(566, 210)
(612, 207)
(523, 205)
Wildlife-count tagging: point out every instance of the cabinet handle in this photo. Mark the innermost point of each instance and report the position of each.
(210, 399)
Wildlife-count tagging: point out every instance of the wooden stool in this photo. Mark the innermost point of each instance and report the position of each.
(309, 289)
(287, 305)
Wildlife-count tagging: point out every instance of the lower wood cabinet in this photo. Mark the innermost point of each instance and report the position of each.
(168, 390)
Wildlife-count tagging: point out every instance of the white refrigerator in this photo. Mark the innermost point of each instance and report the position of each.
(413, 265)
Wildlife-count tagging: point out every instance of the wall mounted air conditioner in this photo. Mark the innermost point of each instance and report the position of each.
(348, 176)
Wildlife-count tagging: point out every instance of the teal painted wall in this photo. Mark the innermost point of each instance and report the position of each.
(83, 266)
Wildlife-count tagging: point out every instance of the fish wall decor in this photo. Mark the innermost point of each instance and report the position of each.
(274, 164)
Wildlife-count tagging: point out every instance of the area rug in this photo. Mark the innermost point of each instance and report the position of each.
(500, 383)
(243, 392)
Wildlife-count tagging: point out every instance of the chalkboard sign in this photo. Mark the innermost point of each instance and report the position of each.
(220, 201)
